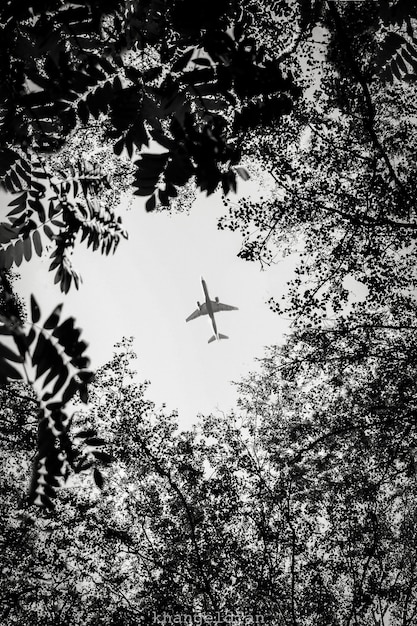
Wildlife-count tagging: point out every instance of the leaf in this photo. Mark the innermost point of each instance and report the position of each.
(60, 381)
(20, 201)
(66, 334)
(86, 376)
(21, 342)
(37, 242)
(203, 62)
(38, 186)
(52, 209)
(149, 169)
(39, 174)
(70, 391)
(395, 69)
(35, 310)
(48, 491)
(39, 208)
(53, 319)
(181, 63)
(15, 180)
(133, 74)
(152, 73)
(163, 197)
(44, 501)
(118, 147)
(77, 351)
(47, 359)
(238, 30)
(18, 252)
(48, 231)
(98, 478)
(407, 56)
(83, 391)
(412, 50)
(95, 441)
(30, 337)
(54, 406)
(52, 480)
(8, 261)
(56, 367)
(151, 203)
(83, 466)
(243, 173)
(8, 232)
(105, 457)
(400, 62)
(83, 111)
(27, 248)
(58, 223)
(7, 370)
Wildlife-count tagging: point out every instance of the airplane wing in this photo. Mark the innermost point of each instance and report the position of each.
(197, 313)
(218, 306)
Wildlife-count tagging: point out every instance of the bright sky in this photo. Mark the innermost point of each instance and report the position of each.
(148, 288)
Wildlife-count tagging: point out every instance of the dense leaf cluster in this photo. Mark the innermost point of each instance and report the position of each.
(341, 197)
(143, 72)
(299, 507)
(73, 62)
(52, 357)
(184, 94)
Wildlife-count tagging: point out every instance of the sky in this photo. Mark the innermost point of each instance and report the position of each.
(149, 287)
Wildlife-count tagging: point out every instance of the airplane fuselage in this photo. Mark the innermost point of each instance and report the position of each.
(209, 307)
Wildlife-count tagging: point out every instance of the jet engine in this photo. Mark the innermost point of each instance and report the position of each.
(217, 299)
(198, 304)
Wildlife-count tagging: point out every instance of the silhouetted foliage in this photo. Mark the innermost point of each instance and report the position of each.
(195, 96)
(341, 192)
(53, 358)
(297, 507)
(143, 71)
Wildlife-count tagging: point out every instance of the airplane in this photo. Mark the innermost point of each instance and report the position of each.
(210, 307)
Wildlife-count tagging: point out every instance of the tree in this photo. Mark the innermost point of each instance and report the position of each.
(234, 80)
(335, 409)
(342, 192)
(143, 72)
(188, 540)
(125, 66)
(299, 507)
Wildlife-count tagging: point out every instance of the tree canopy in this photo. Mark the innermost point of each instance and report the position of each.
(298, 506)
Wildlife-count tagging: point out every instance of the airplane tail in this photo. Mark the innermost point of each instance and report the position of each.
(220, 337)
